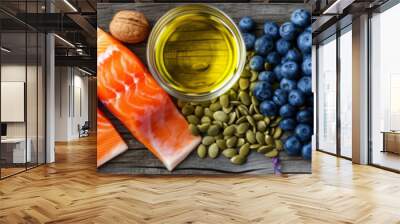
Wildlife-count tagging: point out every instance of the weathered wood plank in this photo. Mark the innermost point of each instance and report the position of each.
(139, 160)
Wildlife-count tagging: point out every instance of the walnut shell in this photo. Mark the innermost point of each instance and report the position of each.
(130, 26)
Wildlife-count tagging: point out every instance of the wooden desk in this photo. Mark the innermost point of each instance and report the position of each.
(391, 141)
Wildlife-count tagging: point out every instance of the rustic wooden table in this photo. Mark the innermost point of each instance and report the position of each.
(139, 160)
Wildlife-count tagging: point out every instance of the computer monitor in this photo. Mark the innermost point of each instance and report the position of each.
(3, 129)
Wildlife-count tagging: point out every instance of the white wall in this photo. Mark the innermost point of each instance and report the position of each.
(71, 102)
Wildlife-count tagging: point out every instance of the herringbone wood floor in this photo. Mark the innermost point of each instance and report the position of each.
(70, 191)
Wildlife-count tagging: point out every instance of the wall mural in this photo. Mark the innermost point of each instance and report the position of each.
(204, 88)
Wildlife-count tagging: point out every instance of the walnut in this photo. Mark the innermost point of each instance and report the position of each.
(130, 26)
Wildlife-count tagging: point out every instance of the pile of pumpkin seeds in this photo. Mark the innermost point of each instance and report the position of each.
(232, 125)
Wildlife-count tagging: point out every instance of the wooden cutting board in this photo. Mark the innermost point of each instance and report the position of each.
(138, 160)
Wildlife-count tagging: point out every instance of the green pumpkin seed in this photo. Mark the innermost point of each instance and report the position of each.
(254, 76)
(187, 110)
(214, 100)
(245, 74)
(224, 100)
(203, 127)
(277, 133)
(240, 142)
(205, 119)
(260, 138)
(267, 66)
(242, 128)
(255, 146)
(192, 119)
(265, 148)
(235, 102)
(230, 130)
(267, 121)
(208, 140)
(221, 143)
(243, 110)
(193, 129)
(240, 120)
(244, 98)
(257, 110)
(208, 112)
(227, 109)
(238, 159)
(181, 103)
(202, 151)
(254, 100)
(213, 130)
(232, 95)
(232, 117)
(199, 111)
(235, 86)
(251, 137)
(261, 126)
(220, 116)
(213, 151)
(244, 150)
(229, 153)
(244, 84)
(258, 117)
(273, 153)
(251, 120)
(215, 106)
(219, 137)
(252, 86)
(231, 142)
(278, 144)
(205, 103)
(269, 140)
(276, 122)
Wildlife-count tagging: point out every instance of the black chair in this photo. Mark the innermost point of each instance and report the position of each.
(84, 130)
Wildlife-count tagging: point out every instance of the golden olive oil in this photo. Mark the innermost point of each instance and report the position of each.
(196, 53)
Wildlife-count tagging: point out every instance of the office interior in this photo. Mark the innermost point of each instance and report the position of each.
(48, 81)
(357, 82)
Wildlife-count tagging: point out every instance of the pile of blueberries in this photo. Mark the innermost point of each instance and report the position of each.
(282, 56)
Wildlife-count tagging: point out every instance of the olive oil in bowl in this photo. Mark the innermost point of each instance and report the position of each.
(197, 52)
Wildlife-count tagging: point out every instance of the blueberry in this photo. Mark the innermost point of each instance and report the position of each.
(287, 84)
(247, 24)
(280, 97)
(305, 116)
(305, 85)
(306, 66)
(296, 98)
(301, 17)
(263, 45)
(283, 46)
(288, 31)
(256, 63)
(267, 76)
(287, 111)
(268, 108)
(293, 55)
(306, 151)
(292, 146)
(262, 91)
(310, 100)
(271, 29)
(290, 70)
(288, 124)
(277, 72)
(304, 42)
(273, 58)
(303, 132)
(249, 40)
(308, 29)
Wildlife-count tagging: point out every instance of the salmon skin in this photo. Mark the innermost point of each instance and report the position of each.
(131, 94)
(109, 142)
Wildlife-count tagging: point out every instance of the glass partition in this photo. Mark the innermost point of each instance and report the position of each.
(385, 89)
(327, 95)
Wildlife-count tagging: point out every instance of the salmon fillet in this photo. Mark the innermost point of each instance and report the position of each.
(129, 91)
(109, 142)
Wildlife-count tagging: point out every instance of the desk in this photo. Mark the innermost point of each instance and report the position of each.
(391, 141)
(16, 147)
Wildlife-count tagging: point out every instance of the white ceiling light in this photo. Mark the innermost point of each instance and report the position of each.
(64, 40)
(71, 6)
(5, 49)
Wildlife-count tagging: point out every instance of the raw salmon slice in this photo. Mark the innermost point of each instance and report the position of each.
(109, 142)
(129, 91)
